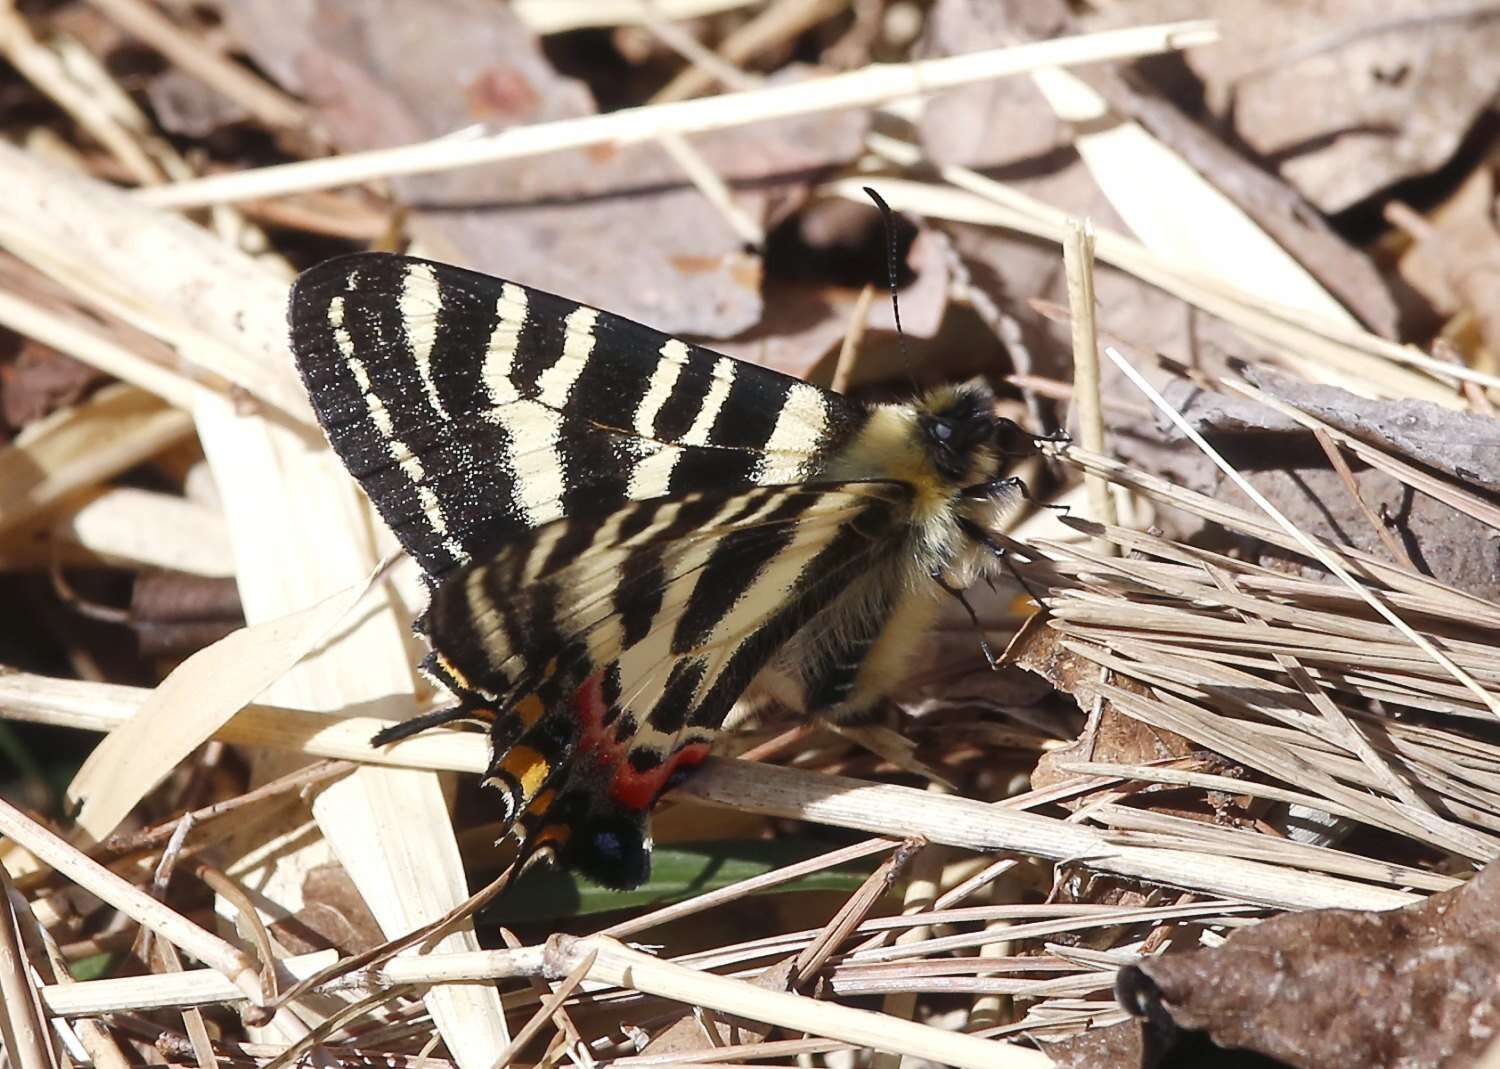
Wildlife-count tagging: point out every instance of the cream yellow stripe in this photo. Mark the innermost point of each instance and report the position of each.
(718, 393)
(500, 354)
(800, 427)
(555, 385)
(420, 304)
(664, 376)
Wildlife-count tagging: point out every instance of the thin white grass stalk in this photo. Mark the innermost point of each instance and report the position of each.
(755, 788)
(1209, 782)
(1325, 555)
(1353, 738)
(707, 62)
(203, 987)
(778, 22)
(867, 87)
(1078, 263)
(558, 16)
(922, 889)
(103, 707)
(130, 900)
(974, 825)
(745, 888)
(732, 1052)
(1245, 522)
(1441, 489)
(714, 189)
(617, 964)
(843, 368)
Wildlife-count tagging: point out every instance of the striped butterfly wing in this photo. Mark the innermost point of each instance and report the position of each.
(472, 409)
(609, 670)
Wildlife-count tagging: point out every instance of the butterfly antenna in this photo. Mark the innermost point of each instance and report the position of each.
(891, 266)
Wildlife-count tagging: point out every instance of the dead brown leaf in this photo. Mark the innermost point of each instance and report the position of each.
(38, 380)
(1415, 988)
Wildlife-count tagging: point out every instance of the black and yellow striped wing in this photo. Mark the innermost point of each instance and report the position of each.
(611, 669)
(472, 409)
(622, 529)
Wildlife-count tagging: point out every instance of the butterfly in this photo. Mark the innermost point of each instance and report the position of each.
(622, 531)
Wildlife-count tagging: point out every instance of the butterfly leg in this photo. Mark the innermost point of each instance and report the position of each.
(955, 592)
(1011, 484)
(1001, 553)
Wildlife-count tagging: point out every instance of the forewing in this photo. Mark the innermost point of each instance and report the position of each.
(610, 671)
(472, 409)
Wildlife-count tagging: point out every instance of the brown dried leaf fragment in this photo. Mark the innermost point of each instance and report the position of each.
(1111, 735)
(1120, 1046)
(37, 381)
(1415, 988)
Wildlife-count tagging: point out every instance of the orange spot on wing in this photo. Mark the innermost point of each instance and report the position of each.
(552, 834)
(528, 767)
(530, 709)
(542, 802)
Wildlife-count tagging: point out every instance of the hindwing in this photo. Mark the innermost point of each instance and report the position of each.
(607, 672)
(472, 409)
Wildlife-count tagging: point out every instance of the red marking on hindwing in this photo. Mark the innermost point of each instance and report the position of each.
(588, 704)
(598, 749)
(605, 755)
(638, 790)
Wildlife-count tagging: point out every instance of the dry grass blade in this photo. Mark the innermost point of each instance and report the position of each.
(977, 826)
(267, 103)
(78, 447)
(1078, 263)
(1176, 212)
(558, 16)
(550, 1005)
(220, 310)
(127, 526)
(191, 705)
(201, 987)
(23, 1031)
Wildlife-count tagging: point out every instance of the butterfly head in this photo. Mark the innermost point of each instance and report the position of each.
(959, 432)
